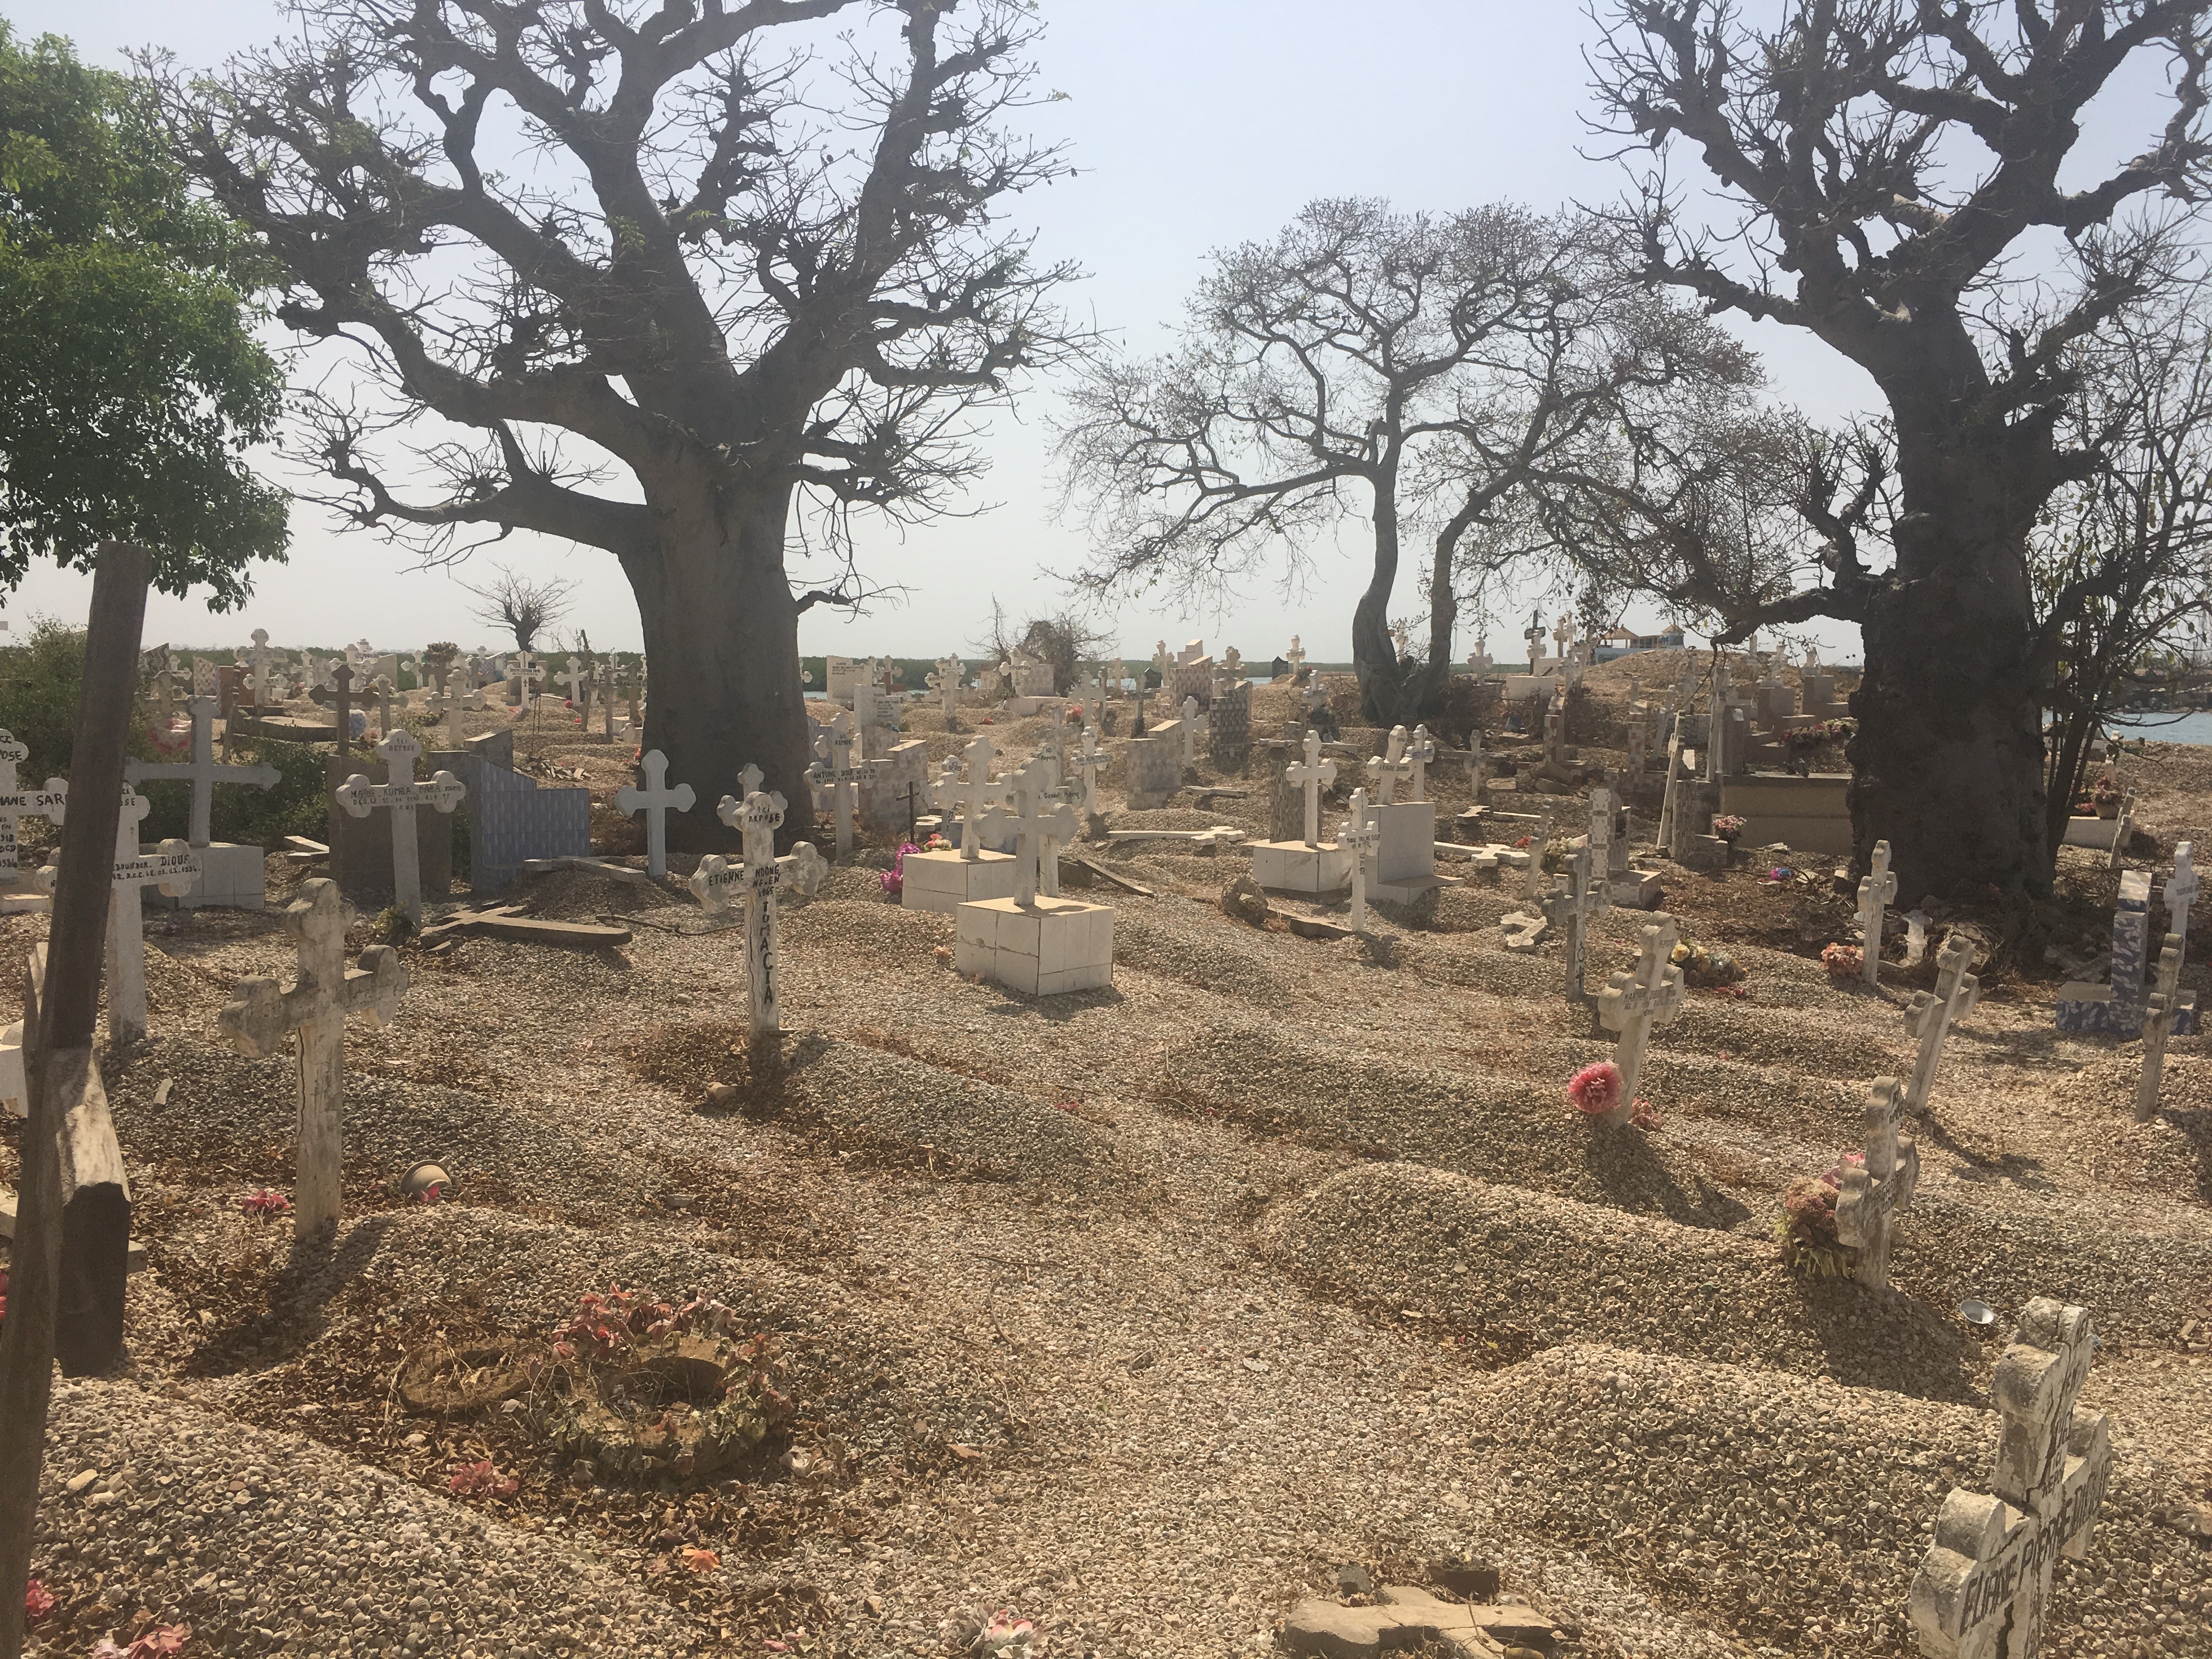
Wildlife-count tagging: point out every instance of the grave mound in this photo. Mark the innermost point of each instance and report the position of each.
(1789, 1511)
(1517, 1271)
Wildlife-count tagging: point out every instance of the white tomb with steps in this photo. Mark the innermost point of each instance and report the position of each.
(1034, 943)
(1311, 865)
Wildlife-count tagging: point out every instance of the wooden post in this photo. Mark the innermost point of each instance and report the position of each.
(57, 1070)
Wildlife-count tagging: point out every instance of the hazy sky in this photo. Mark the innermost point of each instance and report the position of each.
(1197, 124)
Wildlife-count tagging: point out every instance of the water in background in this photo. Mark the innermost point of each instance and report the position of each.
(2196, 727)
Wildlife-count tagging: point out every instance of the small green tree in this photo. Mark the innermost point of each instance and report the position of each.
(130, 379)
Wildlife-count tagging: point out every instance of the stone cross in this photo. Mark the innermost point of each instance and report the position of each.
(1534, 635)
(260, 667)
(1232, 664)
(202, 771)
(946, 681)
(383, 688)
(2158, 1025)
(1632, 1004)
(17, 803)
(1929, 1017)
(1088, 764)
(1193, 728)
(1391, 765)
(637, 688)
(759, 876)
(578, 678)
(1479, 658)
(1877, 890)
(526, 670)
(1576, 900)
(1717, 708)
(1555, 732)
(322, 994)
(1296, 656)
(1420, 754)
(655, 798)
(1035, 829)
(2179, 891)
(1163, 661)
(1562, 631)
(1599, 830)
(982, 795)
(1363, 836)
(1532, 885)
(175, 869)
(1877, 1190)
(1310, 775)
(839, 776)
(944, 794)
(1983, 1588)
(1091, 694)
(400, 797)
(2122, 829)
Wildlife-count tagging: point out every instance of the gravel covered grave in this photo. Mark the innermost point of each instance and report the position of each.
(1138, 1311)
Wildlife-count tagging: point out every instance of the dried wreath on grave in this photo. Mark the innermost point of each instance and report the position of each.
(1806, 1229)
(644, 1389)
(1843, 961)
(1705, 968)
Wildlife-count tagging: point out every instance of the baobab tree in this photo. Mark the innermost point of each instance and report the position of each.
(1879, 161)
(522, 604)
(1411, 369)
(667, 241)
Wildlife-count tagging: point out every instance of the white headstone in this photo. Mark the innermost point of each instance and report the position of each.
(1632, 1004)
(400, 797)
(759, 877)
(1363, 836)
(1310, 775)
(1877, 891)
(656, 799)
(1876, 1190)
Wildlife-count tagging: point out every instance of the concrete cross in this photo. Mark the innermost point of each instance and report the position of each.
(1391, 765)
(1563, 631)
(1534, 635)
(1091, 693)
(322, 994)
(526, 670)
(1363, 836)
(2122, 829)
(1532, 884)
(1401, 641)
(383, 689)
(175, 869)
(1296, 656)
(1088, 764)
(1983, 1588)
(840, 776)
(1478, 775)
(201, 771)
(1632, 1004)
(1164, 663)
(1929, 1017)
(1479, 658)
(1232, 664)
(637, 688)
(656, 799)
(943, 795)
(1310, 775)
(1420, 753)
(17, 803)
(577, 675)
(260, 667)
(2179, 891)
(2159, 1022)
(982, 793)
(1193, 728)
(1716, 713)
(946, 681)
(1876, 1189)
(1877, 891)
(1600, 832)
(400, 797)
(1587, 896)
(759, 877)
(1035, 826)
(1555, 731)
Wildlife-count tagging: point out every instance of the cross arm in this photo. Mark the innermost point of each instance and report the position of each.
(256, 1025)
(376, 987)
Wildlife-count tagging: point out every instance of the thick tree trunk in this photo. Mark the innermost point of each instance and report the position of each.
(1947, 765)
(721, 632)
(1421, 691)
(1373, 655)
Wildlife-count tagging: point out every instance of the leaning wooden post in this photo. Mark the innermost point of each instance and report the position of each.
(57, 1067)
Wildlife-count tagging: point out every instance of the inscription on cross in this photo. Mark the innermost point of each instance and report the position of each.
(1362, 837)
(400, 797)
(655, 799)
(1632, 1004)
(839, 776)
(17, 803)
(1311, 775)
(1877, 891)
(1982, 1590)
(759, 877)
(321, 996)
(1877, 1190)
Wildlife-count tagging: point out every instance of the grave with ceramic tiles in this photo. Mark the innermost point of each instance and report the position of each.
(1406, 857)
(1151, 767)
(2117, 1007)
(971, 872)
(1309, 865)
(1029, 941)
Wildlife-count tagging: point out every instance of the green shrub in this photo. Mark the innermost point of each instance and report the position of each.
(39, 680)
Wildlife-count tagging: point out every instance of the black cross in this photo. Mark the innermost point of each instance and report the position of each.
(910, 790)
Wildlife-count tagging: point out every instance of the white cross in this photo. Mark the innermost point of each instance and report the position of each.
(202, 771)
(1391, 765)
(1420, 754)
(575, 676)
(1716, 719)
(1981, 1590)
(944, 794)
(839, 776)
(656, 799)
(1876, 1190)
(323, 993)
(759, 876)
(526, 670)
(1296, 656)
(1164, 660)
(17, 803)
(1632, 1004)
(1601, 831)
(2164, 1004)
(1562, 631)
(1232, 663)
(260, 667)
(1478, 775)
(1929, 1017)
(1193, 728)
(1399, 641)
(1535, 635)
(946, 681)
(1363, 836)
(1311, 774)
(1092, 696)
(981, 793)
(1035, 830)
(400, 797)
(1088, 764)
(1578, 899)
(2179, 891)
(1877, 890)
(382, 688)
(175, 869)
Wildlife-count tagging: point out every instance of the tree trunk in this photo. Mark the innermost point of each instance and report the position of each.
(721, 631)
(1421, 692)
(1947, 764)
(1374, 653)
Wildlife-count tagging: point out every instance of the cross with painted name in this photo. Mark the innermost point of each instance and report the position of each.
(758, 878)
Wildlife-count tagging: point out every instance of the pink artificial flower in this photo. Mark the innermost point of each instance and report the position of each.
(1643, 1115)
(38, 1601)
(262, 1202)
(1595, 1089)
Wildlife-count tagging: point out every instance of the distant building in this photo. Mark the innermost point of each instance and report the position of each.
(1622, 642)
